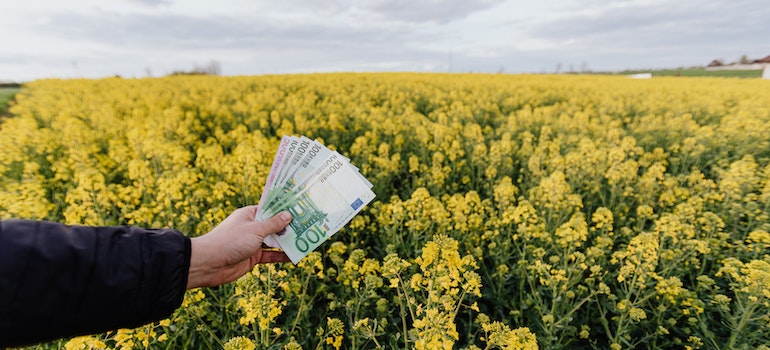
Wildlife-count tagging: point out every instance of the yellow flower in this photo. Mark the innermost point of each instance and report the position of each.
(335, 333)
(670, 288)
(239, 343)
(499, 334)
(574, 232)
(637, 314)
(603, 219)
(555, 194)
(645, 211)
(584, 332)
(414, 164)
(84, 343)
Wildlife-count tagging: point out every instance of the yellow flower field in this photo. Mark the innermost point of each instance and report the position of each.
(512, 211)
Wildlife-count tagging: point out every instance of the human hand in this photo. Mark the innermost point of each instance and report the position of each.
(233, 248)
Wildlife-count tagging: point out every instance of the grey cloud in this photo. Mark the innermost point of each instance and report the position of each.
(404, 11)
(320, 8)
(150, 2)
(675, 25)
(663, 36)
(244, 45)
(185, 32)
(439, 11)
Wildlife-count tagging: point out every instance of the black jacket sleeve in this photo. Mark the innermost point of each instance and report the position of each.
(59, 281)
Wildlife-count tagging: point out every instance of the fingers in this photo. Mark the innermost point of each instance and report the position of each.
(249, 211)
(275, 224)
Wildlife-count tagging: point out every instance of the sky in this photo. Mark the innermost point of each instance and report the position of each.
(141, 38)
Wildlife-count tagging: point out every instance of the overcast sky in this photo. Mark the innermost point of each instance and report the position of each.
(138, 38)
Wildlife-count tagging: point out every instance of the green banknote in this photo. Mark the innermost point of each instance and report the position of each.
(322, 190)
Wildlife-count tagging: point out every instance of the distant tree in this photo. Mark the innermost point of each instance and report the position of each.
(212, 68)
(744, 60)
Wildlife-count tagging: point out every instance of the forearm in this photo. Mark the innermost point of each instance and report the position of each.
(58, 281)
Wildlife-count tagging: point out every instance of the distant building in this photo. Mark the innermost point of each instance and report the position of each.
(750, 65)
(716, 63)
(640, 76)
(765, 60)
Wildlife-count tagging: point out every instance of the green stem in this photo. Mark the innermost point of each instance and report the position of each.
(459, 303)
(605, 323)
(301, 303)
(208, 330)
(745, 316)
(403, 321)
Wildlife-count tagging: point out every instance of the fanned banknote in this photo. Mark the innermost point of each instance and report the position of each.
(321, 189)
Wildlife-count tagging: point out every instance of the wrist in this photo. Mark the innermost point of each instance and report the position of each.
(198, 274)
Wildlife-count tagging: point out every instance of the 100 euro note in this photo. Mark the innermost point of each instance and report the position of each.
(291, 152)
(280, 155)
(319, 187)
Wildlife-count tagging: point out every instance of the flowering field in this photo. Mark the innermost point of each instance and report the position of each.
(512, 211)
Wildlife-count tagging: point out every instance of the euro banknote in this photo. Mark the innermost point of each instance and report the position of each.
(320, 188)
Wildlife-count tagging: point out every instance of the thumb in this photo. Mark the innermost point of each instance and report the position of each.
(275, 224)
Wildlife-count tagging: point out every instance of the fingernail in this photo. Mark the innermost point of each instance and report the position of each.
(285, 216)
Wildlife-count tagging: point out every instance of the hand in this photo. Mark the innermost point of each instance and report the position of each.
(233, 248)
